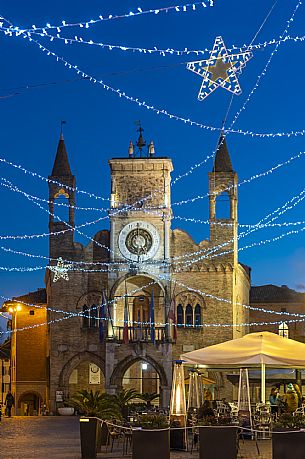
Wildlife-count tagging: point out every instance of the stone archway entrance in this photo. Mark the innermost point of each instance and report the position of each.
(84, 371)
(87, 375)
(142, 377)
(130, 373)
(29, 404)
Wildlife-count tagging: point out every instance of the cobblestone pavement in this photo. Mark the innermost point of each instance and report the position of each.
(247, 450)
(58, 438)
(23, 437)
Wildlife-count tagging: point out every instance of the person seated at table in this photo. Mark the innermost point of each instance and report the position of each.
(291, 399)
(299, 394)
(205, 410)
(227, 406)
(274, 400)
(207, 394)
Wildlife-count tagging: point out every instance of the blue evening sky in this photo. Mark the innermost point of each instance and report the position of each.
(100, 124)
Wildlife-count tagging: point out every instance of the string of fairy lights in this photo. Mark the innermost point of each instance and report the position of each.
(164, 112)
(11, 31)
(282, 39)
(180, 8)
(207, 252)
(82, 314)
(7, 184)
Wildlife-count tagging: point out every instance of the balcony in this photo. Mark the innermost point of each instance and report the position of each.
(141, 334)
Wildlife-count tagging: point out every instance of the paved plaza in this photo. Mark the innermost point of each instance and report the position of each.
(58, 438)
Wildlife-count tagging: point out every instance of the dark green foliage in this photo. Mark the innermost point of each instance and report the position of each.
(95, 404)
(123, 399)
(148, 398)
(215, 421)
(154, 421)
(290, 421)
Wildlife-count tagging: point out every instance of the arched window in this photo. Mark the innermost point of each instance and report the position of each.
(189, 315)
(90, 316)
(180, 318)
(223, 206)
(198, 314)
(61, 208)
(94, 316)
(85, 316)
(284, 330)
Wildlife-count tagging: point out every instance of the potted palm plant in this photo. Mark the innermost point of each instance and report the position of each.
(95, 407)
(123, 399)
(148, 398)
(151, 439)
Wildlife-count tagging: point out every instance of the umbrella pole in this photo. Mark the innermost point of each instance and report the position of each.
(263, 383)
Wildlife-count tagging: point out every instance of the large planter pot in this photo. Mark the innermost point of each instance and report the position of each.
(218, 442)
(287, 443)
(66, 411)
(104, 434)
(90, 436)
(150, 444)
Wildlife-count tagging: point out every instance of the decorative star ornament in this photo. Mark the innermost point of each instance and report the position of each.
(60, 270)
(220, 70)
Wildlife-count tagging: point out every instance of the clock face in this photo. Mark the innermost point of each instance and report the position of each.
(94, 368)
(139, 241)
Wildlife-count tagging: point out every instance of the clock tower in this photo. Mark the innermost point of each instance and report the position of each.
(140, 211)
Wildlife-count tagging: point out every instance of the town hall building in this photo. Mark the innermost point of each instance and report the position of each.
(140, 293)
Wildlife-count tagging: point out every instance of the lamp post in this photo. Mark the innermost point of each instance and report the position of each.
(13, 308)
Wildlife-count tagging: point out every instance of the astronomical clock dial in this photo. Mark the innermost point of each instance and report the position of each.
(139, 241)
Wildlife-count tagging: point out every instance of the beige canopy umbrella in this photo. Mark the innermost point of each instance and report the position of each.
(252, 350)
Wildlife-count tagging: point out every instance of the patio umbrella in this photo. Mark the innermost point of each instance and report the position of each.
(252, 350)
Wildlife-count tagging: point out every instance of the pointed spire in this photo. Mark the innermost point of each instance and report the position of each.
(61, 166)
(222, 161)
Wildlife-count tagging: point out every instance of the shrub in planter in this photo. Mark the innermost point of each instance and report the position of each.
(151, 441)
(287, 439)
(96, 407)
(217, 438)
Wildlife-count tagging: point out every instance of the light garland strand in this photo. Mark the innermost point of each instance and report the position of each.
(184, 264)
(73, 228)
(142, 50)
(248, 180)
(185, 201)
(6, 183)
(158, 111)
(207, 252)
(301, 318)
(48, 180)
(276, 213)
(246, 306)
(181, 8)
(285, 32)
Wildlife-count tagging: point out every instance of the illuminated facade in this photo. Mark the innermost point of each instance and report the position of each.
(150, 276)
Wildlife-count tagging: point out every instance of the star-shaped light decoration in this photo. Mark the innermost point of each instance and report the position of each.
(221, 69)
(60, 270)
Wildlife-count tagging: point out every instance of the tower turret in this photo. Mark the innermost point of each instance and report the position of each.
(223, 182)
(61, 186)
